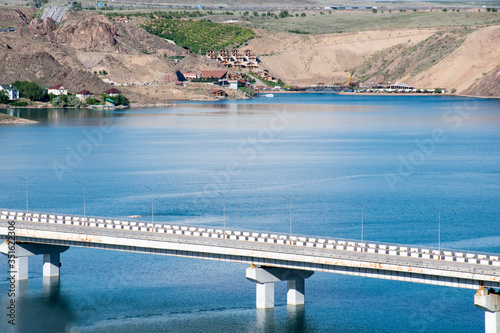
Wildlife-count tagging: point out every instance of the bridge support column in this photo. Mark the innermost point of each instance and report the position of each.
(265, 277)
(265, 295)
(295, 291)
(489, 301)
(51, 264)
(22, 251)
(19, 269)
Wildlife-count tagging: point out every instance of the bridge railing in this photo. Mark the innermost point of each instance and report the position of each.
(258, 236)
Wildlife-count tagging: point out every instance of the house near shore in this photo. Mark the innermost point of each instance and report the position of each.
(84, 94)
(57, 90)
(11, 91)
(112, 92)
(219, 93)
(220, 75)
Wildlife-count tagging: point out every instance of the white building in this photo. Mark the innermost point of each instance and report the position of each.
(11, 91)
(57, 90)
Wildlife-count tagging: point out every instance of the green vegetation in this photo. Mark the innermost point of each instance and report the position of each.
(199, 36)
(366, 21)
(19, 103)
(205, 79)
(295, 31)
(65, 100)
(4, 98)
(453, 90)
(247, 90)
(91, 101)
(76, 6)
(30, 90)
(170, 15)
(119, 100)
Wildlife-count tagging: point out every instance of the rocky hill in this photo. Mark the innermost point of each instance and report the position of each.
(77, 50)
(91, 51)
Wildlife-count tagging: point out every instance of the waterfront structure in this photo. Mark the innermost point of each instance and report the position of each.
(272, 257)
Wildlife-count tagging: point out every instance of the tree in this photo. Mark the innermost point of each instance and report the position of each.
(91, 101)
(121, 100)
(284, 13)
(74, 101)
(76, 6)
(4, 98)
(30, 90)
(58, 101)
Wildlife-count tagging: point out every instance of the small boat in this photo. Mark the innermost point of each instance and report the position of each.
(269, 95)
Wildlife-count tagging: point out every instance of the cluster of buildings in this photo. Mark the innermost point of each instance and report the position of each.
(83, 94)
(234, 59)
(58, 90)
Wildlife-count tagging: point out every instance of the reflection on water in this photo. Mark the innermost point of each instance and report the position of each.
(330, 152)
(49, 312)
(53, 115)
(264, 320)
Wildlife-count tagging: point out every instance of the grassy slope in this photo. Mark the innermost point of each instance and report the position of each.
(364, 21)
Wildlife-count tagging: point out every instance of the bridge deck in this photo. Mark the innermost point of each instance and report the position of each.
(389, 261)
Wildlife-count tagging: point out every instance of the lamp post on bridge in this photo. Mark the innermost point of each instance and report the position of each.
(152, 201)
(290, 199)
(84, 205)
(439, 229)
(224, 209)
(362, 217)
(26, 181)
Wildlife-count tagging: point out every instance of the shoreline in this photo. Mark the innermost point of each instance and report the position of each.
(9, 120)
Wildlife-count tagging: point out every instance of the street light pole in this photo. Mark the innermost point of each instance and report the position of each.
(290, 208)
(362, 217)
(439, 230)
(224, 209)
(153, 201)
(84, 206)
(26, 181)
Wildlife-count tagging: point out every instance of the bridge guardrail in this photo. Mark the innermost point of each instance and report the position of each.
(262, 237)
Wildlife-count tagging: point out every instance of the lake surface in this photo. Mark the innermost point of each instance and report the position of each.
(400, 156)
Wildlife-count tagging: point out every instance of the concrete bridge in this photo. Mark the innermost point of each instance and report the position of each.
(272, 257)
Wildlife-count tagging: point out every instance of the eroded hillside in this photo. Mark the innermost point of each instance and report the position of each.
(466, 59)
(90, 51)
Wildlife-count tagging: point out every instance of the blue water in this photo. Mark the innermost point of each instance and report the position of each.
(400, 156)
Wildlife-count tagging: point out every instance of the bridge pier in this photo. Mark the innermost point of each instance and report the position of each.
(265, 277)
(21, 253)
(489, 302)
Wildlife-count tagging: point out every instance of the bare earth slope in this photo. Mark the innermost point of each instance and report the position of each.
(464, 68)
(75, 51)
(309, 59)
